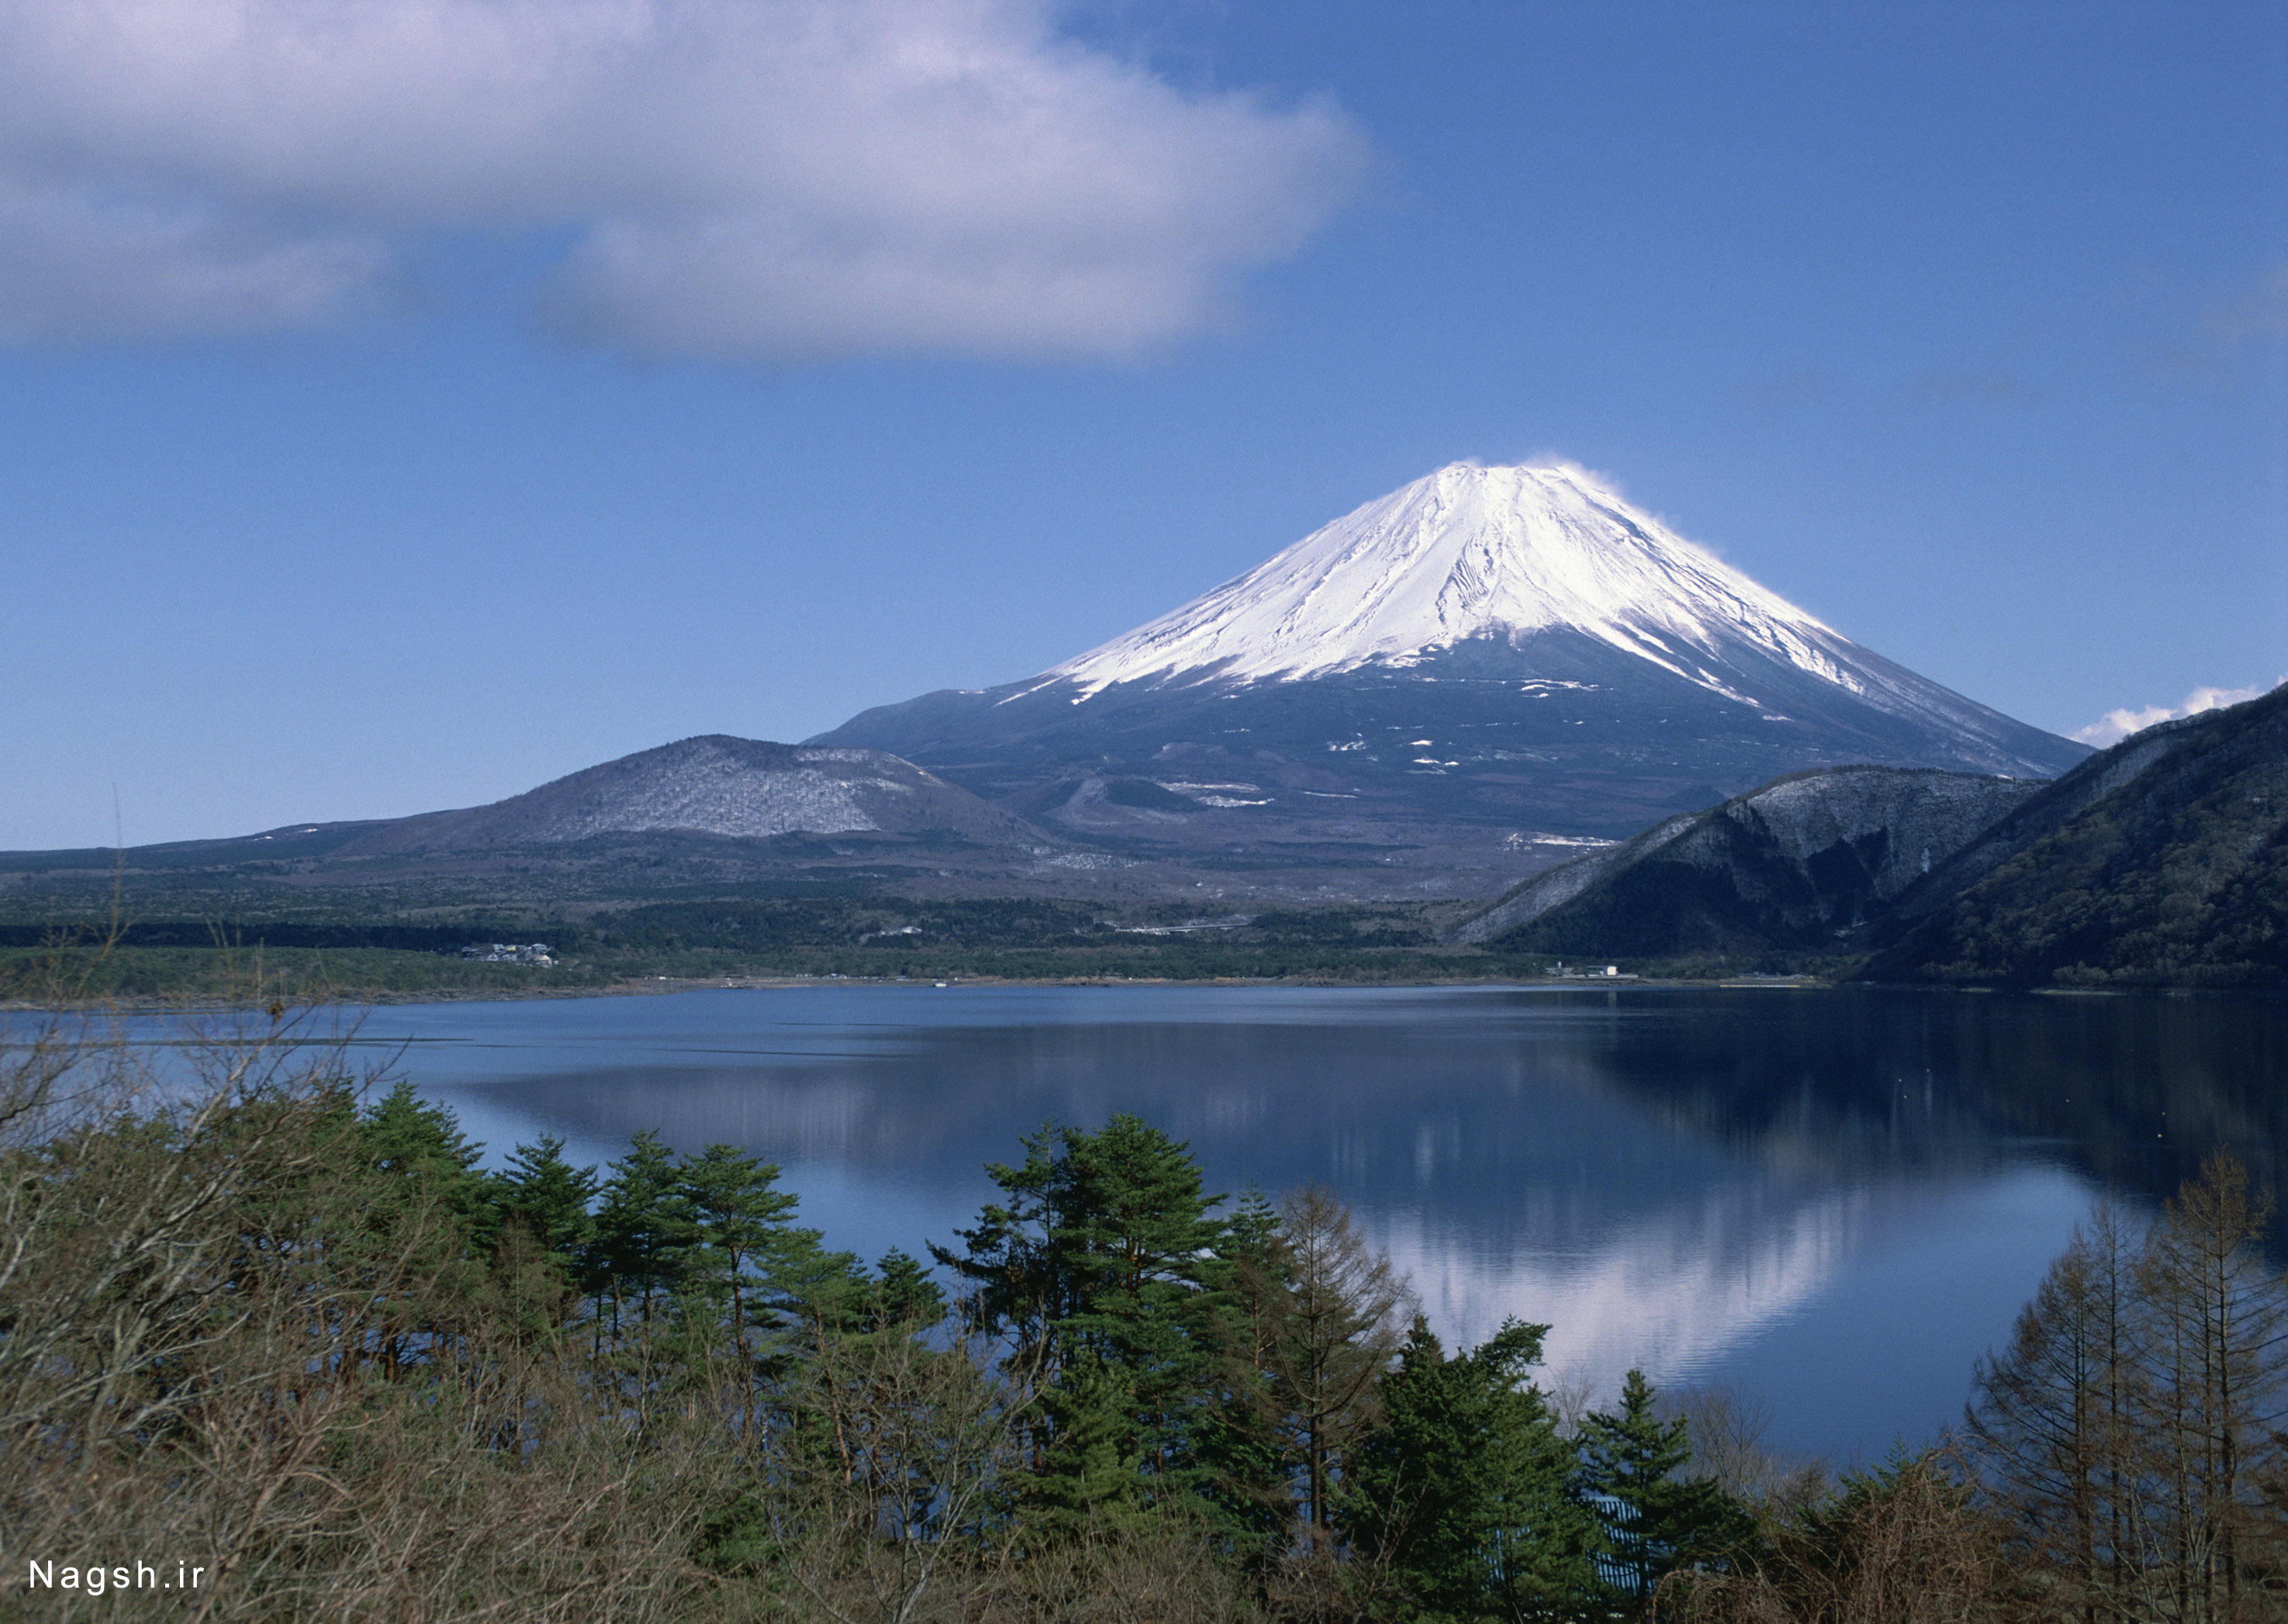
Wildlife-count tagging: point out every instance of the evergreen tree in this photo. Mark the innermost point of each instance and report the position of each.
(644, 1227)
(740, 1226)
(407, 1136)
(430, 1223)
(551, 1199)
(1464, 1488)
(1241, 1438)
(1653, 1520)
(1105, 1250)
(1088, 1480)
(905, 1295)
(428, 1158)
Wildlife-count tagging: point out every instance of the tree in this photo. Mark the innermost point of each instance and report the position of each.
(430, 1224)
(2216, 1386)
(1904, 1544)
(2131, 1437)
(1241, 1437)
(1654, 1519)
(551, 1199)
(1334, 1333)
(644, 1228)
(1088, 1478)
(2056, 1424)
(904, 1296)
(740, 1224)
(1464, 1488)
(1105, 1254)
(428, 1157)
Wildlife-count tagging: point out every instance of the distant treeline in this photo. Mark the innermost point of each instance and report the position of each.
(1019, 938)
(275, 934)
(297, 1336)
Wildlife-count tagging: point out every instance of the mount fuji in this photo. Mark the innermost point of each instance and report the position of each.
(1495, 649)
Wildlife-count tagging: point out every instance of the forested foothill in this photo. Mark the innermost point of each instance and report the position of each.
(263, 1317)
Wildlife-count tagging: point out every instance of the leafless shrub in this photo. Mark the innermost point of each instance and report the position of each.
(1906, 1547)
(194, 1310)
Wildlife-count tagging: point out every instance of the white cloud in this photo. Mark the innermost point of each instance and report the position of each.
(2258, 313)
(2115, 726)
(741, 178)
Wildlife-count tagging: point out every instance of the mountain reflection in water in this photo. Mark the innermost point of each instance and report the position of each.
(1837, 1199)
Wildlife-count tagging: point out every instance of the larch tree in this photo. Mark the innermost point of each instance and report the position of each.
(2216, 1359)
(1335, 1331)
(2056, 1422)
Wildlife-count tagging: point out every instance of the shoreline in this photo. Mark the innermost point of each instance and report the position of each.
(657, 986)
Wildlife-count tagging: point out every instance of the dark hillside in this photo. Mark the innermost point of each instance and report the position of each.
(2173, 872)
(1801, 863)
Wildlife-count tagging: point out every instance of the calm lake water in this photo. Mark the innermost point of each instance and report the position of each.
(1836, 1200)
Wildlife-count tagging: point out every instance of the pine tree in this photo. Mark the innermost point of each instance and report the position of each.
(551, 1199)
(1105, 1251)
(644, 1227)
(740, 1224)
(1240, 1437)
(1653, 1519)
(422, 1147)
(430, 1224)
(1088, 1481)
(407, 1136)
(1464, 1489)
(904, 1296)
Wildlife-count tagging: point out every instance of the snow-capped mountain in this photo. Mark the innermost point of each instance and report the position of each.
(1516, 644)
(1472, 552)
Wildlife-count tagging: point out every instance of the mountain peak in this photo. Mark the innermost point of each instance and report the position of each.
(1517, 647)
(1467, 552)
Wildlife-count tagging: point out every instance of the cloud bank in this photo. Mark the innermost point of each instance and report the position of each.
(2115, 726)
(745, 180)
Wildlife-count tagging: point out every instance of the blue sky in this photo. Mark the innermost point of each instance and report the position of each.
(403, 402)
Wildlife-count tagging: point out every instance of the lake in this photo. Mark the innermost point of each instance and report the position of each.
(1837, 1199)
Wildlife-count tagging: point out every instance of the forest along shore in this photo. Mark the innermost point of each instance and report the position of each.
(649, 1391)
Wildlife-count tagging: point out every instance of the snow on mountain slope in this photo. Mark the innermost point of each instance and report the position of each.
(1474, 552)
(736, 789)
(1486, 645)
